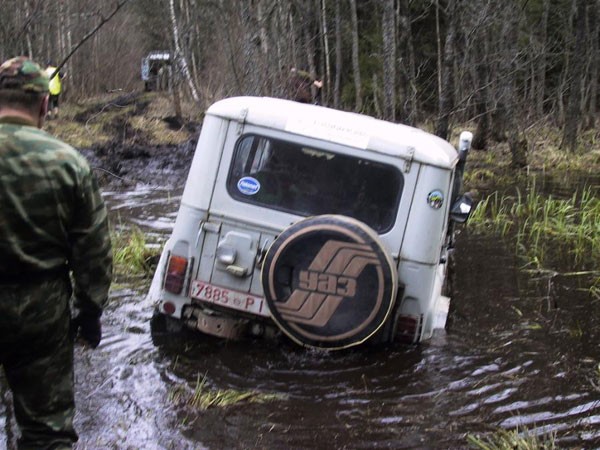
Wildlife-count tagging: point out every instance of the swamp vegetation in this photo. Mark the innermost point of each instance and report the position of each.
(202, 397)
(513, 440)
(132, 254)
(545, 227)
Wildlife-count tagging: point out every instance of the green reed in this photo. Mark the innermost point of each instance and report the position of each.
(513, 440)
(131, 253)
(544, 227)
(595, 289)
(202, 397)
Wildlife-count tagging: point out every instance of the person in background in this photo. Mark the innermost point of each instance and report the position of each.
(54, 88)
(54, 245)
(303, 87)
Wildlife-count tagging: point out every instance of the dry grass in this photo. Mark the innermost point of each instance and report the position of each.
(158, 131)
(161, 105)
(545, 153)
(77, 134)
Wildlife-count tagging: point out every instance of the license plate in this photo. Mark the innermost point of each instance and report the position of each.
(231, 299)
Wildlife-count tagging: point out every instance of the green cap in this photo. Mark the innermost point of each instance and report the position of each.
(21, 73)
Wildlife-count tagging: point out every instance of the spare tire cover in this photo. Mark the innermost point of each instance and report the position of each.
(329, 282)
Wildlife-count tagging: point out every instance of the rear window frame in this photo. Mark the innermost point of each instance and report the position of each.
(234, 192)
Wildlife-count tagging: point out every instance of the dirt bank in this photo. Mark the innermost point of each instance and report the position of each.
(117, 165)
(131, 138)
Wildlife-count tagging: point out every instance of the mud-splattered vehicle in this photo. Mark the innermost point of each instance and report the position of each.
(332, 227)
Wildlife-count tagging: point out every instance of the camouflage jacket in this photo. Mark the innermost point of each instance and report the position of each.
(52, 217)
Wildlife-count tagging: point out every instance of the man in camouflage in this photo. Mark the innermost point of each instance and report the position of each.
(53, 229)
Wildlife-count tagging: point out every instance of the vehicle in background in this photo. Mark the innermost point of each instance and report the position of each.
(329, 227)
(156, 70)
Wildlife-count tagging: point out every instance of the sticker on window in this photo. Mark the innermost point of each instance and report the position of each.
(248, 185)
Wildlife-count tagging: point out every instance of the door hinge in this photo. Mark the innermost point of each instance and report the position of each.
(242, 120)
(409, 158)
(212, 227)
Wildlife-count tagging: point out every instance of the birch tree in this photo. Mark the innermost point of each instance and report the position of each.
(179, 56)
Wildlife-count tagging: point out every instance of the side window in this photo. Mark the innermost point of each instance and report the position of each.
(251, 156)
(307, 181)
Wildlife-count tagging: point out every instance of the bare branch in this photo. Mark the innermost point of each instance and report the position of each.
(120, 4)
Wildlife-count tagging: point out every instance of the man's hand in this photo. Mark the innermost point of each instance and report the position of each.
(88, 327)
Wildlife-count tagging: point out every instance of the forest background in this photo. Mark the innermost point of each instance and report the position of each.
(510, 68)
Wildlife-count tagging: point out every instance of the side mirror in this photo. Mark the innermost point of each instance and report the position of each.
(461, 209)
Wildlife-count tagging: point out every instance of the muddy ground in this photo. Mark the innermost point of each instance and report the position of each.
(119, 167)
(141, 141)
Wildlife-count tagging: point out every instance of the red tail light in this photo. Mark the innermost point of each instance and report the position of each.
(176, 272)
(408, 328)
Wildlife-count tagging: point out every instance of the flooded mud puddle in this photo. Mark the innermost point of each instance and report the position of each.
(520, 350)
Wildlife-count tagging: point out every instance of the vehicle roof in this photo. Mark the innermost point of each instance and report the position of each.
(351, 129)
(159, 54)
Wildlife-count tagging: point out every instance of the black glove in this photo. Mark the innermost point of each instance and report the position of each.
(88, 327)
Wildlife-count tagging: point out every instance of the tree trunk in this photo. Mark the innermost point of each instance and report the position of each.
(250, 58)
(446, 91)
(576, 69)
(480, 77)
(438, 41)
(503, 116)
(309, 46)
(594, 35)
(389, 60)
(325, 30)
(355, 57)
(540, 92)
(69, 45)
(264, 42)
(338, 56)
(179, 57)
(407, 64)
(516, 143)
(376, 105)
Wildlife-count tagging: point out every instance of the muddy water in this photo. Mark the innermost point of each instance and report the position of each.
(521, 349)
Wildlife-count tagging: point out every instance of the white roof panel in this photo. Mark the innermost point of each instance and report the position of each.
(351, 129)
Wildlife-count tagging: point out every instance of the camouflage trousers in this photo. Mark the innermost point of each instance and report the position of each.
(36, 351)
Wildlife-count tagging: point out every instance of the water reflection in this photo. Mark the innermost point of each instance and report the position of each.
(152, 209)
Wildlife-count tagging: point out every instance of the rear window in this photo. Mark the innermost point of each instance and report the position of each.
(306, 181)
